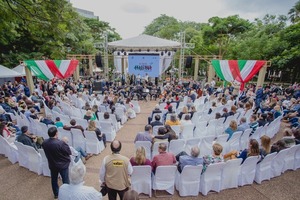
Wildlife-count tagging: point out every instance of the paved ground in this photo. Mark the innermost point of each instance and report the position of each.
(19, 183)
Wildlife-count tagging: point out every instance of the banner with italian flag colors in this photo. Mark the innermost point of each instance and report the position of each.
(237, 70)
(48, 69)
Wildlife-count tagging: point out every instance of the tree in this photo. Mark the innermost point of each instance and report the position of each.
(294, 13)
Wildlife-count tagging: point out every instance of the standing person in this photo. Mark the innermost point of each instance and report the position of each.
(115, 171)
(58, 155)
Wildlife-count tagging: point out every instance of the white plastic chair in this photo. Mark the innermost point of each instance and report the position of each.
(211, 178)
(9, 150)
(22, 155)
(234, 141)
(164, 179)
(187, 131)
(289, 159)
(297, 158)
(244, 140)
(206, 145)
(109, 130)
(188, 182)
(34, 160)
(78, 139)
(248, 169)
(45, 166)
(200, 130)
(230, 174)
(263, 169)
(278, 162)
(147, 145)
(176, 146)
(93, 145)
(65, 133)
(141, 179)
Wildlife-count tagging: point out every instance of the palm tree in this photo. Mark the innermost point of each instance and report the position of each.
(295, 13)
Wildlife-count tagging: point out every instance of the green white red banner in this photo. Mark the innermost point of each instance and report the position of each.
(48, 69)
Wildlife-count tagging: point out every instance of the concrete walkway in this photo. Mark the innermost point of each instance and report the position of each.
(19, 183)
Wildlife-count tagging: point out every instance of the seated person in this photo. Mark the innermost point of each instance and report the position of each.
(231, 129)
(140, 157)
(173, 120)
(6, 133)
(156, 110)
(161, 135)
(163, 158)
(27, 138)
(184, 159)
(77, 153)
(58, 123)
(74, 125)
(47, 120)
(265, 148)
(157, 121)
(253, 150)
(76, 189)
(278, 146)
(253, 123)
(216, 157)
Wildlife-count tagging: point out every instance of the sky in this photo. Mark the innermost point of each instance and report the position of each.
(130, 17)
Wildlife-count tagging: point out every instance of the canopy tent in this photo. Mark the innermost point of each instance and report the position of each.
(21, 70)
(241, 71)
(48, 69)
(8, 73)
(144, 45)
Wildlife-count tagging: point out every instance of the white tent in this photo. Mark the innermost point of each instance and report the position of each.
(21, 70)
(144, 42)
(8, 73)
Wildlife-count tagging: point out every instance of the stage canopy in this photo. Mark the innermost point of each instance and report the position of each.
(144, 54)
(241, 71)
(8, 73)
(48, 69)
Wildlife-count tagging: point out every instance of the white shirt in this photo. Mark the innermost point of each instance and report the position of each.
(78, 192)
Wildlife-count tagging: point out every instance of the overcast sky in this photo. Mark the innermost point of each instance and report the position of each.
(129, 17)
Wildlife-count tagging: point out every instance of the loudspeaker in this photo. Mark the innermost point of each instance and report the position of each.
(188, 63)
(99, 60)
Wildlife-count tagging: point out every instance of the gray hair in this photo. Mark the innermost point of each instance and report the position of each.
(77, 172)
(195, 151)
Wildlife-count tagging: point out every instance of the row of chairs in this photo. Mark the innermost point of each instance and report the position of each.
(217, 176)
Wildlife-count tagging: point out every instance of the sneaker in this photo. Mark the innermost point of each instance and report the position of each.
(88, 156)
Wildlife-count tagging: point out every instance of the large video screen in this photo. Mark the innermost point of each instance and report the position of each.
(143, 63)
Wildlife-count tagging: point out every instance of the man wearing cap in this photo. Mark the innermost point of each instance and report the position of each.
(26, 138)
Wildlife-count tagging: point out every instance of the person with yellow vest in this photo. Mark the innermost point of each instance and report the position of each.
(115, 172)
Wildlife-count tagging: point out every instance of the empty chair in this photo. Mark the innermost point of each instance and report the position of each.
(263, 169)
(187, 131)
(136, 106)
(45, 166)
(93, 145)
(206, 145)
(234, 141)
(211, 178)
(211, 128)
(188, 181)
(176, 129)
(82, 122)
(176, 146)
(222, 140)
(289, 160)
(109, 130)
(141, 179)
(248, 169)
(147, 145)
(230, 174)
(78, 139)
(245, 139)
(34, 160)
(200, 130)
(164, 179)
(42, 130)
(278, 162)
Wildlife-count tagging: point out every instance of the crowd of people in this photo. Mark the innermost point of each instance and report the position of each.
(258, 107)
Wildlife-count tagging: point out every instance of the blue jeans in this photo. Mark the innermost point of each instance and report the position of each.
(81, 154)
(64, 173)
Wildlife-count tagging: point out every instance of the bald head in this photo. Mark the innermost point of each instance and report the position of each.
(195, 151)
(116, 146)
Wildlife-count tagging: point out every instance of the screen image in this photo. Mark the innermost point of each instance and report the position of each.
(143, 63)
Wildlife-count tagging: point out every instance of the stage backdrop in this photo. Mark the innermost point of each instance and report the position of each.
(144, 63)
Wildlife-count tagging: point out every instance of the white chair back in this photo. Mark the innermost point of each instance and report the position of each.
(176, 146)
(263, 169)
(164, 179)
(78, 139)
(93, 145)
(141, 179)
(188, 131)
(248, 169)
(147, 145)
(34, 160)
(230, 174)
(278, 162)
(206, 145)
(45, 166)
